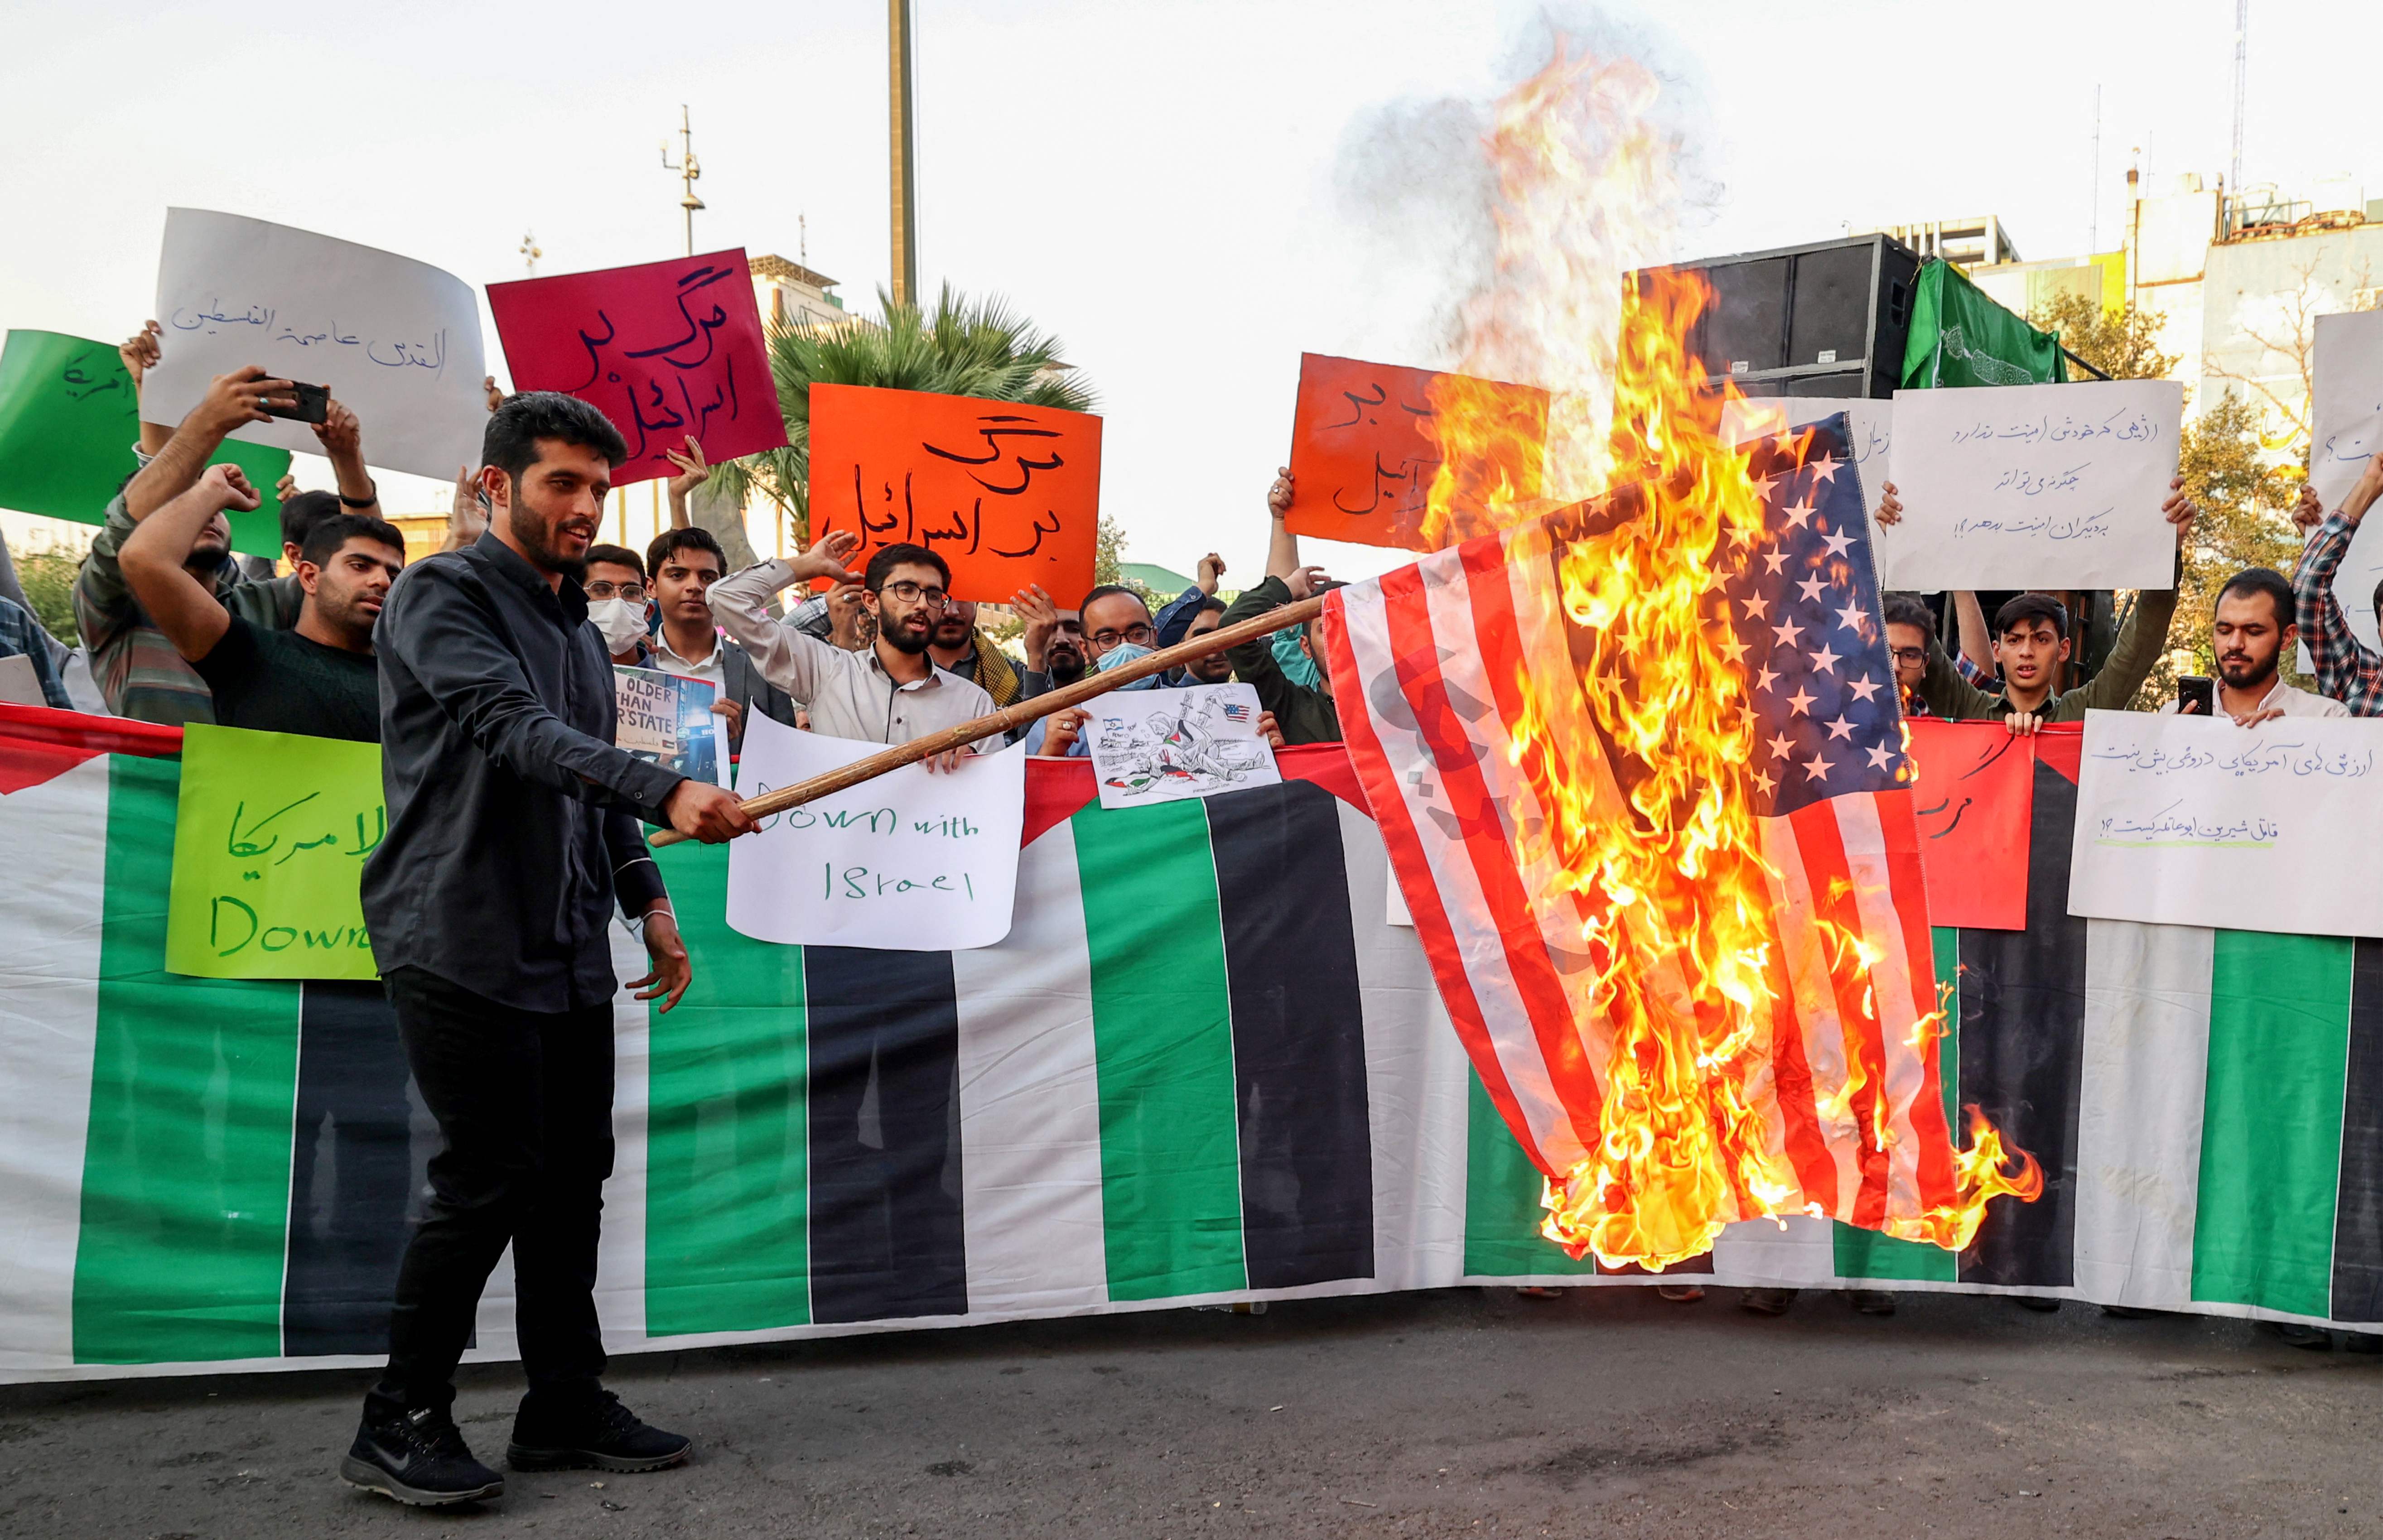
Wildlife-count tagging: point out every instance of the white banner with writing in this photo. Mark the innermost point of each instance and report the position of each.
(2184, 820)
(916, 860)
(1164, 746)
(2346, 429)
(2034, 487)
(397, 341)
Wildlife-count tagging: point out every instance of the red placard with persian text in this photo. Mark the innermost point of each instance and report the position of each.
(668, 351)
(1365, 447)
(1975, 806)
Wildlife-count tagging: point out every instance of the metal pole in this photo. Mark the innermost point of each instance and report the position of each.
(905, 156)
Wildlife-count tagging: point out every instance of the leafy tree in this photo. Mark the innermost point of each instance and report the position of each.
(962, 347)
(2245, 498)
(2122, 343)
(47, 576)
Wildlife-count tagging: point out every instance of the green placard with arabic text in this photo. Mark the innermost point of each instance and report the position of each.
(270, 838)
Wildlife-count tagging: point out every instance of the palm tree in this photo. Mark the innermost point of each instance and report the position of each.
(962, 347)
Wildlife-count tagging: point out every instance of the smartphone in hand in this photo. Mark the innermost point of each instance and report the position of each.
(313, 405)
(2196, 694)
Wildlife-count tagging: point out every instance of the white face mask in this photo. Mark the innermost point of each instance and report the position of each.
(621, 623)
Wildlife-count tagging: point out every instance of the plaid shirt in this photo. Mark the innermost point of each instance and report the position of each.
(21, 636)
(2347, 670)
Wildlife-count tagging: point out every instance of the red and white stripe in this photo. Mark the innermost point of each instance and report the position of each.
(1430, 666)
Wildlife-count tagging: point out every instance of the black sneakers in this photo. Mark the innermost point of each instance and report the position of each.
(598, 1433)
(419, 1459)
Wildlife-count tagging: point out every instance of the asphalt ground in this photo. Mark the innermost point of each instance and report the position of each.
(1458, 1412)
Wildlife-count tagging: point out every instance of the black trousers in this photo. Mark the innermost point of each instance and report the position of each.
(524, 1100)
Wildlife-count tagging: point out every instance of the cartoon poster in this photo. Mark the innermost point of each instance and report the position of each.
(1163, 746)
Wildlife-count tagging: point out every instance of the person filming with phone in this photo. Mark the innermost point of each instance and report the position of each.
(2250, 629)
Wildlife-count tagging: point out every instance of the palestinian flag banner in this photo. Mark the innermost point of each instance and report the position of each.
(1202, 1067)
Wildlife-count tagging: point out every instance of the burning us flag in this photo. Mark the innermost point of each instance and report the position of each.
(1639, 768)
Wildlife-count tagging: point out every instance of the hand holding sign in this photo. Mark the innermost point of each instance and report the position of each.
(669, 350)
(1365, 448)
(1007, 494)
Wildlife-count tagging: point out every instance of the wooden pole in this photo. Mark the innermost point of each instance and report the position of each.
(1090, 687)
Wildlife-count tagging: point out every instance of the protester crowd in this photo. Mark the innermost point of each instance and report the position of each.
(438, 664)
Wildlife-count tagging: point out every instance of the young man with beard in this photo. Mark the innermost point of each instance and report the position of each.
(889, 692)
(2251, 626)
(959, 649)
(318, 678)
(514, 829)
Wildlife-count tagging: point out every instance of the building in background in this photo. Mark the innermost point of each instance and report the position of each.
(2236, 282)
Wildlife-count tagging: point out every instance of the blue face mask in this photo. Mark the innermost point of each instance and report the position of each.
(1120, 656)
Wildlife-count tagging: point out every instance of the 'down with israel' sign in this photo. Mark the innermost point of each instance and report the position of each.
(2180, 818)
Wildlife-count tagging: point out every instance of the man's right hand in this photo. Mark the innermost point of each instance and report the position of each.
(2309, 512)
(1279, 495)
(1211, 572)
(1890, 507)
(826, 559)
(1302, 583)
(140, 352)
(1061, 728)
(238, 398)
(706, 812)
(227, 483)
(2362, 497)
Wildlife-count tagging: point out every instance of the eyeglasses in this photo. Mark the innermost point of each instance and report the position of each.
(1140, 636)
(1910, 655)
(634, 592)
(911, 593)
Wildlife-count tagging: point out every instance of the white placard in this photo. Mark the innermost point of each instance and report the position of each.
(2180, 818)
(20, 685)
(397, 341)
(1164, 746)
(913, 861)
(2034, 487)
(1869, 424)
(2346, 429)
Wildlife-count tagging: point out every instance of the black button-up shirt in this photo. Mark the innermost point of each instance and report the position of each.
(512, 820)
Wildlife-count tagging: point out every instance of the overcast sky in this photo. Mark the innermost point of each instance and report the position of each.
(1166, 186)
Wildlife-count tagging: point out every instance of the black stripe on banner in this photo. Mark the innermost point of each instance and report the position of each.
(357, 1157)
(887, 1233)
(1299, 1035)
(2022, 1052)
(2358, 1208)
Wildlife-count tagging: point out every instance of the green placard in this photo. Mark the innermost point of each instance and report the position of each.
(270, 837)
(69, 419)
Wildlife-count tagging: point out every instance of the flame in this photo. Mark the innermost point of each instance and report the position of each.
(1647, 792)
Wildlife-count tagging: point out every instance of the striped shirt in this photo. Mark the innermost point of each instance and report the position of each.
(138, 672)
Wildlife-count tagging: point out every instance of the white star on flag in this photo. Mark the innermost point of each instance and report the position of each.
(1840, 728)
(1817, 769)
(1825, 660)
(1779, 745)
(1811, 587)
(1787, 634)
(1836, 543)
(1775, 559)
(1766, 679)
(1765, 779)
(1757, 608)
(1863, 689)
(1879, 757)
(1850, 619)
(1824, 470)
(1802, 702)
(1799, 512)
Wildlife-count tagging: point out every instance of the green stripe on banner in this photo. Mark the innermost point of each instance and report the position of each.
(1502, 1200)
(1866, 1253)
(1163, 1034)
(186, 1173)
(2271, 1120)
(727, 1141)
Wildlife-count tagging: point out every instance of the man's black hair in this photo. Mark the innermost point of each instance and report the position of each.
(882, 565)
(2029, 607)
(303, 512)
(1903, 609)
(617, 556)
(1212, 605)
(323, 541)
(1105, 589)
(670, 542)
(2267, 581)
(510, 442)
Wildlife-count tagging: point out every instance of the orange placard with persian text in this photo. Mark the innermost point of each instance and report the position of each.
(1366, 444)
(1008, 495)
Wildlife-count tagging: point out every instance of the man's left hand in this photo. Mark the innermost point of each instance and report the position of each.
(734, 712)
(2179, 510)
(672, 972)
(2252, 718)
(1270, 729)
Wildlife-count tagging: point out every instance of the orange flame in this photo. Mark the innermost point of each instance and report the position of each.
(1646, 787)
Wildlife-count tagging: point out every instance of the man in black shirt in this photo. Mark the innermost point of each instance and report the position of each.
(513, 828)
(318, 678)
